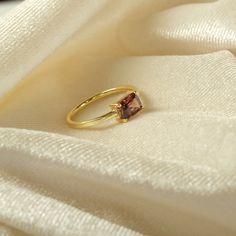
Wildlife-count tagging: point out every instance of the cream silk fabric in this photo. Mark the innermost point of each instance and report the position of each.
(170, 171)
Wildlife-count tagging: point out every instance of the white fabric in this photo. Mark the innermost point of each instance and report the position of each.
(169, 171)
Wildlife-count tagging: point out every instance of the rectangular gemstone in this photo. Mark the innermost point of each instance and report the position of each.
(129, 106)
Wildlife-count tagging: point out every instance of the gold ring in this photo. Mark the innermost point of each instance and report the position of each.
(123, 110)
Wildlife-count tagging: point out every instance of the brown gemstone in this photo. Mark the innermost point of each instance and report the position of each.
(129, 106)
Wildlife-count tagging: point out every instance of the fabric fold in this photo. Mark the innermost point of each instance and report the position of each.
(40, 159)
(41, 32)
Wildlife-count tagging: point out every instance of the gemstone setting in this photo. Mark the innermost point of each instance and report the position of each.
(129, 106)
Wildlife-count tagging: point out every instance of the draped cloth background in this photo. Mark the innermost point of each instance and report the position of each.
(170, 171)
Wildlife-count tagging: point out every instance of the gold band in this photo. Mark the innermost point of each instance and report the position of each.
(97, 120)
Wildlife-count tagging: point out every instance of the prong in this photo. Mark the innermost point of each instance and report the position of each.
(114, 106)
(122, 120)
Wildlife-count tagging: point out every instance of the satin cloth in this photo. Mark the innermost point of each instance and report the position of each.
(169, 171)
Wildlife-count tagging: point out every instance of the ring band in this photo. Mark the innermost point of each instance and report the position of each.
(123, 110)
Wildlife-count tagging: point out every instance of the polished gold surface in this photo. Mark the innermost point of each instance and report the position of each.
(112, 114)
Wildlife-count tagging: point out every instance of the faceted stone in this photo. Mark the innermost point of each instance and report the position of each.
(129, 106)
